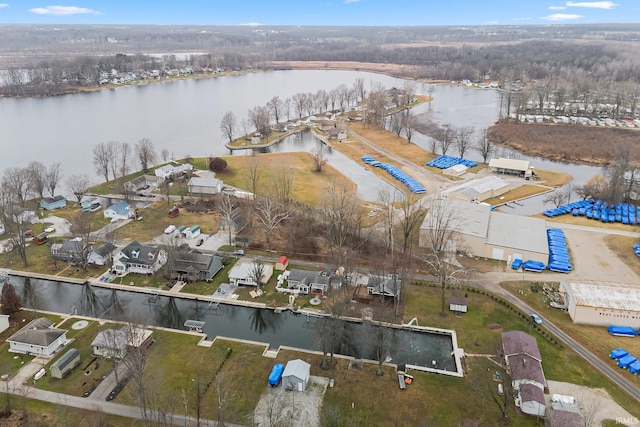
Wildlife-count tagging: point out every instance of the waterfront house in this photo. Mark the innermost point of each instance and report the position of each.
(337, 133)
(308, 281)
(204, 185)
(38, 337)
(384, 286)
(51, 203)
(121, 210)
(116, 343)
(69, 251)
(140, 183)
(22, 215)
(172, 171)
(87, 201)
(102, 255)
(138, 258)
(192, 266)
(243, 273)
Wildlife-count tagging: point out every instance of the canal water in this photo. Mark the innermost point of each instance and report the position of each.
(429, 350)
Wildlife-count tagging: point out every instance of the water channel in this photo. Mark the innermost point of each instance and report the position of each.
(429, 350)
(184, 117)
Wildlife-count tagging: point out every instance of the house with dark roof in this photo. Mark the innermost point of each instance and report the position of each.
(384, 286)
(38, 337)
(308, 281)
(139, 258)
(524, 364)
(69, 251)
(102, 255)
(51, 203)
(140, 183)
(193, 267)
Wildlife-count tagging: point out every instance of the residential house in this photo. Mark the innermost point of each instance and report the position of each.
(38, 337)
(385, 286)
(4, 322)
(192, 232)
(51, 203)
(296, 375)
(192, 267)
(524, 363)
(115, 343)
(138, 258)
(172, 171)
(102, 255)
(325, 125)
(87, 201)
(202, 185)
(69, 251)
(63, 366)
(121, 210)
(242, 274)
(22, 215)
(308, 281)
(337, 133)
(140, 183)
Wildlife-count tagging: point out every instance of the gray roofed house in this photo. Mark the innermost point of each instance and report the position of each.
(308, 281)
(204, 185)
(102, 255)
(386, 286)
(69, 251)
(296, 375)
(138, 258)
(192, 266)
(38, 337)
(532, 400)
(114, 343)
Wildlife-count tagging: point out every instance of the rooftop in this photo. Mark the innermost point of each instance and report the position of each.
(606, 295)
(518, 232)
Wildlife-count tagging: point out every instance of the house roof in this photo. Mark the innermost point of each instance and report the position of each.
(140, 254)
(115, 339)
(518, 342)
(39, 332)
(518, 232)
(511, 164)
(525, 367)
(283, 260)
(297, 368)
(531, 393)
(54, 199)
(120, 208)
(72, 246)
(105, 249)
(306, 276)
(384, 285)
(191, 261)
(204, 182)
(66, 359)
(458, 300)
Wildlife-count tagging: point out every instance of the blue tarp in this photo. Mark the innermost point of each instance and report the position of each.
(634, 368)
(445, 162)
(627, 360)
(413, 185)
(535, 266)
(558, 252)
(624, 331)
(516, 263)
(618, 353)
(276, 374)
(598, 210)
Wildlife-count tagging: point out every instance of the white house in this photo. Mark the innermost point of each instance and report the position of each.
(385, 286)
(38, 337)
(192, 232)
(296, 375)
(120, 210)
(242, 273)
(115, 343)
(23, 215)
(170, 171)
(308, 281)
(204, 185)
(138, 258)
(4, 322)
(102, 255)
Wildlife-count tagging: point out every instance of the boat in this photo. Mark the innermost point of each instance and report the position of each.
(95, 207)
(276, 374)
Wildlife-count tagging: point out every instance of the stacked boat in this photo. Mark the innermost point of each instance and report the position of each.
(598, 210)
(626, 360)
(558, 252)
(445, 162)
(413, 185)
(636, 249)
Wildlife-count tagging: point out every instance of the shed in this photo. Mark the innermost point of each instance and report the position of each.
(455, 170)
(282, 264)
(192, 232)
(296, 375)
(65, 364)
(4, 322)
(458, 304)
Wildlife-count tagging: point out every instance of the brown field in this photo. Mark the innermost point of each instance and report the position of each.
(622, 246)
(521, 192)
(569, 143)
(396, 70)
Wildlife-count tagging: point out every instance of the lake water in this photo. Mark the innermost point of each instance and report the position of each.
(184, 117)
(232, 321)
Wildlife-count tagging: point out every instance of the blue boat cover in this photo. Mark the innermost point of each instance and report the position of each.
(276, 374)
(627, 360)
(618, 353)
(626, 331)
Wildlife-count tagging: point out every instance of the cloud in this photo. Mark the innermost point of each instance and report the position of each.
(251, 24)
(4, 5)
(351, 1)
(557, 7)
(561, 17)
(592, 4)
(524, 18)
(64, 11)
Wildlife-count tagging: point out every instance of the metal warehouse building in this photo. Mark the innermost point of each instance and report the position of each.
(602, 303)
(490, 234)
(477, 189)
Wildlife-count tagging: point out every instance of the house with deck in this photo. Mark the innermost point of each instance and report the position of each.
(384, 286)
(70, 251)
(139, 258)
(194, 267)
(102, 255)
(308, 281)
(116, 343)
(244, 273)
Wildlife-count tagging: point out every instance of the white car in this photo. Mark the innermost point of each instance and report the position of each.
(49, 230)
(170, 229)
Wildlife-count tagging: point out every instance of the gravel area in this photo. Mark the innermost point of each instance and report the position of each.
(279, 407)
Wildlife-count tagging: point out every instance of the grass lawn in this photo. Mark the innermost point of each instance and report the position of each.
(78, 382)
(204, 288)
(622, 246)
(10, 363)
(594, 338)
(553, 178)
(522, 192)
(309, 187)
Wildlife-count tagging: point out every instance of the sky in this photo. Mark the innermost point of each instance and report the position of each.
(320, 12)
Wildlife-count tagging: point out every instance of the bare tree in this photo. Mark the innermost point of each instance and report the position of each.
(78, 184)
(260, 118)
(446, 137)
(81, 227)
(282, 183)
(386, 199)
(271, 215)
(463, 139)
(125, 155)
(228, 125)
(411, 211)
(164, 155)
(318, 159)
(257, 270)
(380, 336)
(114, 148)
(253, 174)
(17, 183)
(340, 210)
(359, 90)
(54, 175)
(102, 158)
(226, 210)
(484, 145)
(146, 154)
(408, 125)
(556, 198)
(276, 106)
(439, 239)
(299, 101)
(38, 177)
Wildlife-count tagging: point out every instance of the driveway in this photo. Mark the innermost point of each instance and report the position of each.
(62, 226)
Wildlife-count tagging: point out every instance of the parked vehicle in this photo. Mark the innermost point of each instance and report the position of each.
(40, 239)
(536, 319)
(170, 229)
(173, 212)
(28, 233)
(200, 242)
(239, 252)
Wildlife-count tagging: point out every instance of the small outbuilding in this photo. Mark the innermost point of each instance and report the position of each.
(458, 304)
(455, 170)
(65, 364)
(282, 264)
(296, 375)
